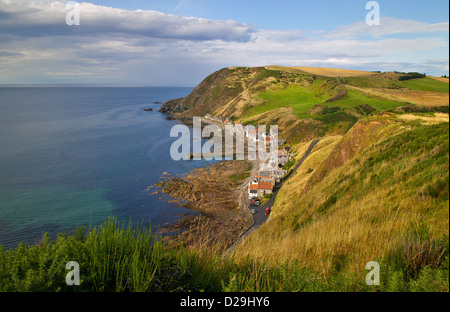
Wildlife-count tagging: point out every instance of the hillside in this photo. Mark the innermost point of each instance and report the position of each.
(376, 186)
(305, 102)
(380, 192)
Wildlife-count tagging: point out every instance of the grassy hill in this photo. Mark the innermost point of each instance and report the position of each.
(296, 97)
(380, 192)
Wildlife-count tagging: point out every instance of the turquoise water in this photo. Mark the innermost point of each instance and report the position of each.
(77, 155)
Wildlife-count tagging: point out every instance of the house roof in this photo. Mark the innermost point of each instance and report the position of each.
(255, 130)
(253, 186)
(265, 186)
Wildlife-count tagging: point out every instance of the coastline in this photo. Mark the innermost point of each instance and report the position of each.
(216, 194)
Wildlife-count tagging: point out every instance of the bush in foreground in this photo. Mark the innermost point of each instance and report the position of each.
(117, 258)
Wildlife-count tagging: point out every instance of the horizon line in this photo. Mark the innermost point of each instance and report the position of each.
(92, 85)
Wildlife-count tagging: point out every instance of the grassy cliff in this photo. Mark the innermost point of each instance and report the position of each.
(380, 192)
(306, 103)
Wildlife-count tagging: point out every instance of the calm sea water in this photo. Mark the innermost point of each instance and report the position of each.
(77, 155)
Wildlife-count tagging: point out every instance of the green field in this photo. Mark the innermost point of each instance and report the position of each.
(356, 99)
(370, 82)
(418, 84)
(426, 84)
(302, 99)
(299, 98)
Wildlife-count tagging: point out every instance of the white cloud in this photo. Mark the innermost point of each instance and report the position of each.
(116, 45)
(388, 26)
(40, 18)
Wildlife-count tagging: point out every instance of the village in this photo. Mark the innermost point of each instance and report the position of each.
(271, 171)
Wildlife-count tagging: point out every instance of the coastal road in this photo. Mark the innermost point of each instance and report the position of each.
(260, 217)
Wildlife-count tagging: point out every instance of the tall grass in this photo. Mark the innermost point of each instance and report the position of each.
(366, 210)
(112, 257)
(117, 259)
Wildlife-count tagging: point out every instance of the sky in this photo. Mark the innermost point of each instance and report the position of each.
(180, 42)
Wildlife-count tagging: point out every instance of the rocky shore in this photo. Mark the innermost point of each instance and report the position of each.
(217, 192)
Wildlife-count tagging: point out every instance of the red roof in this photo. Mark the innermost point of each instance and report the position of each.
(255, 130)
(265, 186)
(253, 186)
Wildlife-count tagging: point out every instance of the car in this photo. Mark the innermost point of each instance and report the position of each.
(253, 211)
(256, 201)
(267, 211)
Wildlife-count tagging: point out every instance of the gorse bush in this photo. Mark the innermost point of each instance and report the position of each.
(114, 258)
(111, 258)
(412, 75)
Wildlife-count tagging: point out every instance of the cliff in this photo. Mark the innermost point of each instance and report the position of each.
(224, 92)
(377, 193)
(306, 103)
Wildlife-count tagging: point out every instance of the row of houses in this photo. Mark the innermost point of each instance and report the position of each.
(260, 186)
(269, 175)
(264, 183)
(227, 121)
(271, 171)
(260, 134)
(252, 133)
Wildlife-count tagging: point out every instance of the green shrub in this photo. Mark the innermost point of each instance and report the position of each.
(412, 75)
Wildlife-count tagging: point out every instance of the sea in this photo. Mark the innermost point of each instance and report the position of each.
(78, 155)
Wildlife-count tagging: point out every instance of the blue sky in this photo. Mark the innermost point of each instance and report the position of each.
(181, 42)
(291, 14)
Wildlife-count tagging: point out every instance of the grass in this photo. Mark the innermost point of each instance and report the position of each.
(302, 99)
(371, 82)
(419, 84)
(114, 258)
(238, 178)
(426, 84)
(299, 98)
(110, 257)
(388, 203)
(356, 99)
